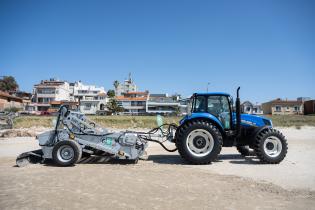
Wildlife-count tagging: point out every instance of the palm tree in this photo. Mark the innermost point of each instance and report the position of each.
(116, 84)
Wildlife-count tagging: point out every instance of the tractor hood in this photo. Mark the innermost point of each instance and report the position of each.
(247, 120)
(253, 120)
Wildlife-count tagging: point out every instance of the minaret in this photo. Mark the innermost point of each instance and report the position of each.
(129, 79)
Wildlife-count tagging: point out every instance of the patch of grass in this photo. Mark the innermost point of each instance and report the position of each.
(292, 120)
(33, 121)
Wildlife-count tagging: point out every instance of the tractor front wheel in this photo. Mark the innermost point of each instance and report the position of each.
(199, 142)
(271, 146)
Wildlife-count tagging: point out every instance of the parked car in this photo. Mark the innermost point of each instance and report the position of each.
(45, 113)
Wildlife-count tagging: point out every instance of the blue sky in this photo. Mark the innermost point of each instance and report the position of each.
(267, 47)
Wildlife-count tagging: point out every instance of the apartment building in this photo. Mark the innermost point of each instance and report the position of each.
(134, 103)
(162, 104)
(48, 91)
(91, 99)
(127, 86)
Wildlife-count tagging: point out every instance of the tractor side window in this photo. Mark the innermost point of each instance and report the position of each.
(200, 104)
(219, 107)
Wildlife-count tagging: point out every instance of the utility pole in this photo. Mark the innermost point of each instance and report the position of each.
(208, 86)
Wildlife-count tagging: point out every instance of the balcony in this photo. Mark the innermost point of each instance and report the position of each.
(46, 95)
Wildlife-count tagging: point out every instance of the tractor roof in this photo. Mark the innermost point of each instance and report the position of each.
(213, 93)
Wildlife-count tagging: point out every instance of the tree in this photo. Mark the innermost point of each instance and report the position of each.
(116, 84)
(111, 93)
(177, 111)
(113, 106)
(8, 84)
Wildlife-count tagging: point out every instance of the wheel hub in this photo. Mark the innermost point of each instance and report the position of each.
(199, 142)
(272, 146)
(65, 153)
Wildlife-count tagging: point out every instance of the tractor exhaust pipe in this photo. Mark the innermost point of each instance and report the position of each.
(238, 113)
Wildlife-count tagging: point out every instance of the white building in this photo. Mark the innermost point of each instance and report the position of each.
(133, 103)
(92, 99)
(125, 87)
(249, 108)
(162, 104)
(48, 91)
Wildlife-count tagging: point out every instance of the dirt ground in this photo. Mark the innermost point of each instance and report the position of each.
(164, 181)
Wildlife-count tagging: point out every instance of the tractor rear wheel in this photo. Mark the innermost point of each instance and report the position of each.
(271, 146)
(199, 142)
(245, 151)
(66, 153)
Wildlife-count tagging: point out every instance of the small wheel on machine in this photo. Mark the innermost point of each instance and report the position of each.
(271, 146)
(66, 153)
(199, 142)
(245, 151)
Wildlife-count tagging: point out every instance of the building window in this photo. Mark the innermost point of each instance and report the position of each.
(296, 108)
(87, 106)
(288, 108)
(278, 108)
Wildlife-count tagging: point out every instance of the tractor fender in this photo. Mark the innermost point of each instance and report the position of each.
(258, 130)
(203, 116)
(219, 126)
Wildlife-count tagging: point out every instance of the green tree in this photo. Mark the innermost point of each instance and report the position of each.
(113, 106)
(111, 93)
(177, 111)
(8, 83)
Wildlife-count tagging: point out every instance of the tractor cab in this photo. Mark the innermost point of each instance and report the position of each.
(217, 106)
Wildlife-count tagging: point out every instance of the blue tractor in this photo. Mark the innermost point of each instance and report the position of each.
(213, 123)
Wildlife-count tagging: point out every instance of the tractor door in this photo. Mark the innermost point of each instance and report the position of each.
(219, 106)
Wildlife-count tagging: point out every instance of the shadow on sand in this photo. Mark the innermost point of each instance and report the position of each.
(176, 159)
(160, 159)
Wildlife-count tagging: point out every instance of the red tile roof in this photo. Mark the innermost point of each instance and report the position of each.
(123, 98)
(7, 95)
(286, 102)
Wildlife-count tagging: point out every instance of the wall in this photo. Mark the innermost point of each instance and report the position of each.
(4, 103)
(266, 107)
(309, 107)
(287, 110)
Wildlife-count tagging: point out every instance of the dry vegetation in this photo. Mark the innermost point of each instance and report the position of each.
(150, 121)
(105, 121)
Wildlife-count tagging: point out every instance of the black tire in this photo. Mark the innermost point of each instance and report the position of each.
(75, 149)
(261, 147)
(245, 151)
(188, 154)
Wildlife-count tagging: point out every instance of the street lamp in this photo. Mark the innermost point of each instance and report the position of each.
(207, 86)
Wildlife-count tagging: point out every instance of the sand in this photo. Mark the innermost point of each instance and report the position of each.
(164, 181)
